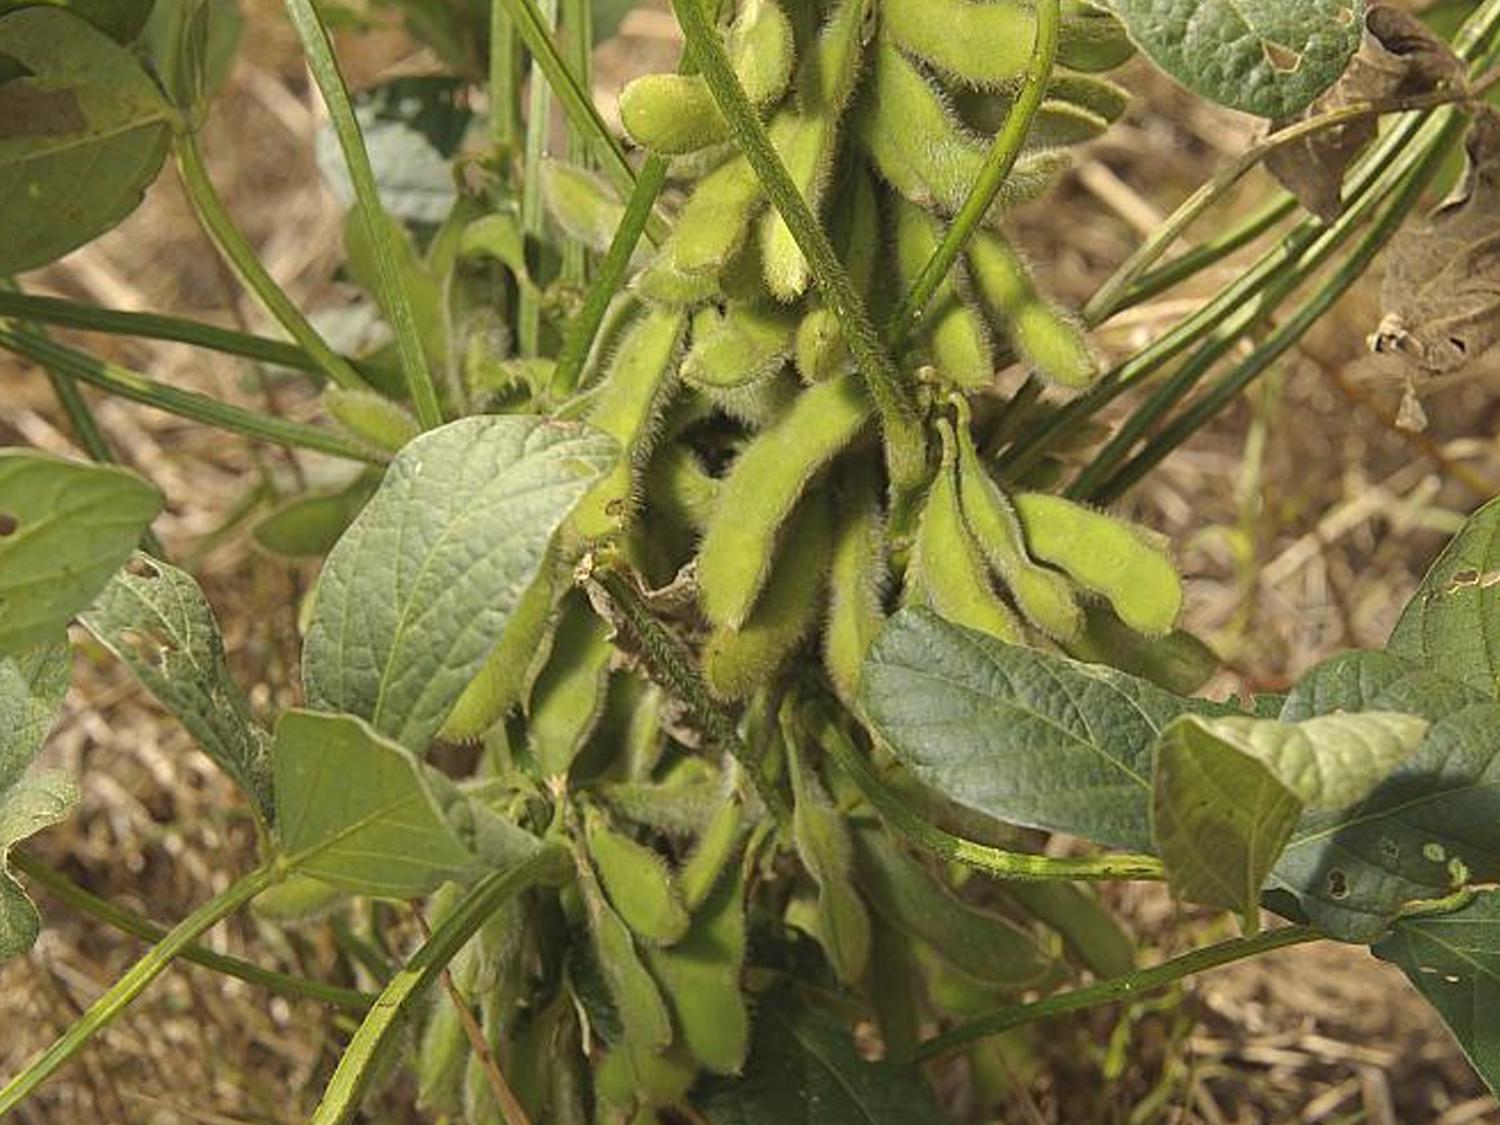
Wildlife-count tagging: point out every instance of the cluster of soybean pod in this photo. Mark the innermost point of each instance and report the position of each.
(750, 511)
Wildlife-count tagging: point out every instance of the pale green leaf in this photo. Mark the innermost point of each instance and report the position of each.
(65, 529)
(1267, 57)
(419, 590)
(155, 619)
(82, 135)
(37, 801)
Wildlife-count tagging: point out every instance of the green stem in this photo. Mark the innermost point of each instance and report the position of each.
(505, 82)
(1116, 989)
(538, 126)
(104, 1010)
(241, 256)
(359, 1066)
(893, 398)
(997, 168)
(187, 404)
(995, 862)
(129, 922)
(318, 48)
(578, 29)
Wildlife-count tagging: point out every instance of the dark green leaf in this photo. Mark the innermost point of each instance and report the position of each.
(65, 529)
(121, 20)
(418, 592)
(1376, 681)
(191, 45)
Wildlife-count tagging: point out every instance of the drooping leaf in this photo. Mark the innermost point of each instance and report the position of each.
(1017, 734)
(121, 20)
(1452, 625)
(804, 1070)
(418, 592)
(82, 135)
(1267, 57)
(65, 528)
(1454, 961)
(358, 812)
(156, 620)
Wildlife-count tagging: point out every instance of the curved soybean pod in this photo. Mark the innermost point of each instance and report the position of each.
(821, 350)
(627, 407)
(954, 333)
(857, 581)
(900, 105)
(637, 882)
(979, 944)
(701, 977)
(371, 417)
(1045, 597)
(762, 489)
(946, 572)
(1057, 122)
(645, 1023)
(708, 233)
(1090, 930)
(747, 343)
(1178, 661)
(1049, 339)
(1091, 38)
(568, 698)
(581, 204)
(762, 50)
(1121, 562)
(1099, 96)
(739, 659)
(681, 488)
(716, 846)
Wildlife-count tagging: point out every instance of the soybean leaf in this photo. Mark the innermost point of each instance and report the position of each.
(1019, 735)
(156, 620)
(1228, 792)
(1376, 681)
(418, 592)
(1431, 823)
(1454, 961)
(1267, 57)
(191, 45)
(121, 20)
(32, 685)
(1452, 625)
(358, 812)
(65, 528)
(804, 1070)
(82, 134)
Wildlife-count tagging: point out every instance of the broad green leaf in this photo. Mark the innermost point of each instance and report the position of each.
(1454, 961)
(1376, 681)
(1017, 734)
(65, 528)
(358, 812)
(191, 44)
(418, 592)
(156, 620)
(37, 801)
(1452, 625)
(1437, 817)
(121, 20)
(804, 1070)
(82, 135)
(1267, 57)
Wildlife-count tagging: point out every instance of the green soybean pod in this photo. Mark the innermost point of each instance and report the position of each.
(946, 572)
(568, 698)
(714, 221)
(717, 844)
(857, 582)
(679, 487)
(742, 346)
(1091, 38)
(766, 483)
(701, 978)
(1129, 566)
(954, 333)
(1099, 96)
(762, 50)
(1049, 339)
(1057, 122)
(627, 407)
(371, 417)
(821, 350)
(819, 347)
(1090, 931)
(638, 1081)
(1179, 661)
(981, 44)
(442, 1054)
(1045, 597)
(823, 843)
(637, 882)
(645, 1023)
(586, 208)
(671, 114)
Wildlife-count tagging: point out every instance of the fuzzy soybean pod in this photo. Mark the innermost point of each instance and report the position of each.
(627, 407)
(737, 660)
(1045, 597)
(637, 882)
(946, 572)
(1122, 562)
(764, 486)
(371, 417)
(821, 350)
(1057, 122)
(716, 846)
(1045, 336)
(568, 699)
(586, 209)
(1099, 96)
(713, 223)
(921, 148)
(645, 1023)
(740, 347)
(857, 582)
(954, 334)
(679, 487)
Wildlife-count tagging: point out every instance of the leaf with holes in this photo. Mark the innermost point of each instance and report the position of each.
(1267, 57)
(418, 591)
(1454, 961)
(65, 529)
(156, 620)
(82, 134)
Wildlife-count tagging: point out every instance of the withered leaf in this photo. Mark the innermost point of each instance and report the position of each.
(1441, 295)
(1398, 58)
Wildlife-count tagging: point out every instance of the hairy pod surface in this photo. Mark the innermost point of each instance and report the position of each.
(568, 699)
(1119, 561)
(857, 582)
(637, 882)
(740, 347)
(371, 417)
(581, 204)
(645, 1023)
(717, 845)
(671, 114)
(954, 333)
